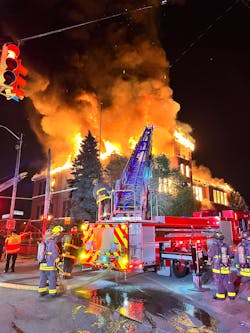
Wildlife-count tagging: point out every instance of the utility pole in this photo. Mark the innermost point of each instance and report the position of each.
(47, 196)
(11, 222)
(14, 190)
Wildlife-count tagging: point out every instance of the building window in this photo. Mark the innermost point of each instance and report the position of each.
(220, 197)
(39, 212)
(182, 168)
(198, 193)
(41, 188)
(66, 208)
(225, 199)
(187, 171)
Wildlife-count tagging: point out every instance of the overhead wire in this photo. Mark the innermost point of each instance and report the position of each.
(125, 12)
(202, 34)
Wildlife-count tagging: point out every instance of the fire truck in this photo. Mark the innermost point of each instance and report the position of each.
(132, 241)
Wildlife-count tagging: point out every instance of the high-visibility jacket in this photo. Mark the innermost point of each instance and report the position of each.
(13, 243)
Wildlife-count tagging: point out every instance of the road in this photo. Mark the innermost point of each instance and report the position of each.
(137, 303)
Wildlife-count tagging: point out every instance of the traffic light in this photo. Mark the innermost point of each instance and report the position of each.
(20, 72)
(11, 72)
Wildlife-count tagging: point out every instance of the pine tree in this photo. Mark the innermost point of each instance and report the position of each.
(86, 169)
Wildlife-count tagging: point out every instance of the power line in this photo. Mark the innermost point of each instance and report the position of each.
(101, 19)
(201, 35)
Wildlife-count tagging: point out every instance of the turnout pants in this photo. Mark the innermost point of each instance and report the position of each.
(224, 285)
(47, 273)
(9, 256)
(68, 264)
(245, 281)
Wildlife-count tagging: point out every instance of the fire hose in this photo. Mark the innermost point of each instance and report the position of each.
(63, 287)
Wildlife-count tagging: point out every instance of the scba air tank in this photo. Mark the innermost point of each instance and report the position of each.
(224, 256)
(242, 255)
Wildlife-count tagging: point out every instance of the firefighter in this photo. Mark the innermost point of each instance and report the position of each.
(48, 271)
(242, 261)
(102, 194)
(71, 246)
(219, 257)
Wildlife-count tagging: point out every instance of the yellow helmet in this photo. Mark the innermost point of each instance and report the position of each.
(57, 230)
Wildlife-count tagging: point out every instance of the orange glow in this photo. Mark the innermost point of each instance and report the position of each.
(110, 148)
(183, 140)
(66, 166)
(202, 175)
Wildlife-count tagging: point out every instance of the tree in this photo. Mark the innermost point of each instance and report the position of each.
(237, 202)
(86, 170)
(114, 168)
(176, 197)
(183, 204)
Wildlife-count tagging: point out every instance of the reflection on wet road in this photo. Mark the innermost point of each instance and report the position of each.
(133, 303)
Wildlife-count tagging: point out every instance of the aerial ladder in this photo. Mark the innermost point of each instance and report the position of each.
(130, 196)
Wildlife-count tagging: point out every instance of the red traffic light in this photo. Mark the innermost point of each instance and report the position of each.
(11, 72)
(20, 72)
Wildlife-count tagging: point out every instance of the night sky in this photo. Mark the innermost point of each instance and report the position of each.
(206, 43)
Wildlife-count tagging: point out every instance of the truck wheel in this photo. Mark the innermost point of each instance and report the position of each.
(180, 268)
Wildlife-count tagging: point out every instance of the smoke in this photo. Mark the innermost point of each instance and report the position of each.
(114, 70)
(204, 175)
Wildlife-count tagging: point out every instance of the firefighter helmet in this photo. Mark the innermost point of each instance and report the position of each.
(57, 230)
(218, 235)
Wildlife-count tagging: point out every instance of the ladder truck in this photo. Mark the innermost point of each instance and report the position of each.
(131, 240)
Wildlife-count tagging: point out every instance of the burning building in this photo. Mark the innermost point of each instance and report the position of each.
(209, 192)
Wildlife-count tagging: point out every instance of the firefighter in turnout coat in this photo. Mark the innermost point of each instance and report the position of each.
(219, 256)
(71, 245)
(47, 267)
(242, 260)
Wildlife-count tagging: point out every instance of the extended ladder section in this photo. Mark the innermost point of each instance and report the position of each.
(130, 195)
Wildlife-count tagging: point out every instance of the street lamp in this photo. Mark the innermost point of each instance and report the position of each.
(14, 190)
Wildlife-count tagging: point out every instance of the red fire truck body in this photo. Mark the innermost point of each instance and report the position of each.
(131, 241)
(131, 245)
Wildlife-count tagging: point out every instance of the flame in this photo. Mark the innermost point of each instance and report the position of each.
(183, 140)
(66, 166)
(111, 148)
(132, 142)
(202, 174)
(77, 139)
